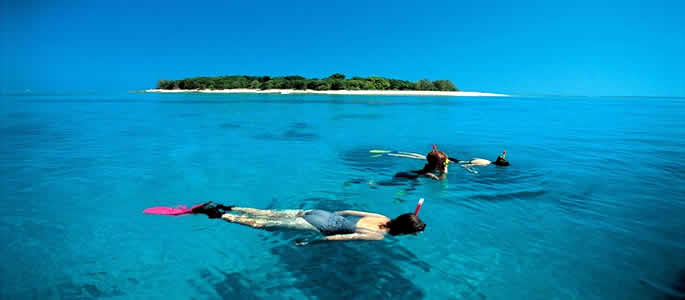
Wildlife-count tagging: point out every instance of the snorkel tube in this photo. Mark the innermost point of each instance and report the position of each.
(418, 207)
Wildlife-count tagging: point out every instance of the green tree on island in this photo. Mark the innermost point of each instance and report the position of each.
(336, 81)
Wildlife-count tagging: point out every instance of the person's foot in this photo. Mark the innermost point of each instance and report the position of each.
(229, 217)
(224, 207)
(213, 212)
(301, 242)
(209, 209)
(201, 208)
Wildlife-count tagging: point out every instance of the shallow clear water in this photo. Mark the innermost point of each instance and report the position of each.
(592, 207)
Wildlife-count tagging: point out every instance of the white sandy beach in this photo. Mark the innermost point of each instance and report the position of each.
(336, 92)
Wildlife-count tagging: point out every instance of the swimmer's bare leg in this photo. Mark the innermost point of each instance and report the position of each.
(253, 211)
(408, 155)
(242, 220)
(271, 213)
(415, 155)
(292, 223)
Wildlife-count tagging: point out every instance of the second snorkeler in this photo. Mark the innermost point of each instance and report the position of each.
(438, 162)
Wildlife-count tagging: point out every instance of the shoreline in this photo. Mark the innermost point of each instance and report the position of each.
(334, 92)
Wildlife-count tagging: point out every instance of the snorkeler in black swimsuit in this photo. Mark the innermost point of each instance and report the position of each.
(340, 225)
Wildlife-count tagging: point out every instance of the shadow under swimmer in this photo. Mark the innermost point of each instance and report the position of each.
(501, 161)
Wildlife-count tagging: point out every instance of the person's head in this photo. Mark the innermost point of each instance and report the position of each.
(437, 160)
(405, 224)
(501, 161)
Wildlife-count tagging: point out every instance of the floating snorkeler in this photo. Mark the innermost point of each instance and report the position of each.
(435, 161)
(343, 225)
(479, 162)
(435, 168)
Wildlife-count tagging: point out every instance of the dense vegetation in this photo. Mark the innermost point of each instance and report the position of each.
(334, 82)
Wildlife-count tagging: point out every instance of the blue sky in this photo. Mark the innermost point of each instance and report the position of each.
(521, 47)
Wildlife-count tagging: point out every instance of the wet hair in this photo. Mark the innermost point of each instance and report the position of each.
(405, 224)
(501, 162)
(436, 160)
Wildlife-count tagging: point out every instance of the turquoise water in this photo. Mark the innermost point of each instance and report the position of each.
(592, 207)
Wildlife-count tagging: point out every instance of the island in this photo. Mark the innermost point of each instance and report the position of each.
(336, 84)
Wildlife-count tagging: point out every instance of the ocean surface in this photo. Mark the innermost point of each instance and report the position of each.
(592, 206)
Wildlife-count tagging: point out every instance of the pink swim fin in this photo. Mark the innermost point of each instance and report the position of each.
(172, 211)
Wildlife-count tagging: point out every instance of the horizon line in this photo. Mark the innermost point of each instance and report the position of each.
(29, 92)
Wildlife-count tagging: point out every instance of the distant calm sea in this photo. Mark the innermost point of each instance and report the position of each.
(592, 207)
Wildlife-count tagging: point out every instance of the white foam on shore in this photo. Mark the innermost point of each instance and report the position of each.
(336, 92)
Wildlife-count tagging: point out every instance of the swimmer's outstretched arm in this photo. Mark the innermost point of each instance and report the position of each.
(433, 176)
(369, 236)
(358, 213)
(345, 237)
(408, 155)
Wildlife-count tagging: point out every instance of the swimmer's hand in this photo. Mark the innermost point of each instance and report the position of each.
(301, 242)
(431, 175)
